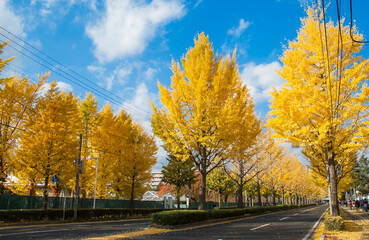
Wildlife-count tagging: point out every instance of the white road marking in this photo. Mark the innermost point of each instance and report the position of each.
(283, 218)
(44, 231)
(252, 229)
(295, 214)
(315, 225)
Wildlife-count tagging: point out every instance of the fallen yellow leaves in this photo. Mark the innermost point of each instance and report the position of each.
(132, 234)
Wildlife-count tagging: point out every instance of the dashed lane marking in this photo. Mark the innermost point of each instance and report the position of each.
(255, 228)
(30, 232)
(315, 225)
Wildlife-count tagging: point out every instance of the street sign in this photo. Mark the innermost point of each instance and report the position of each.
(54, 179)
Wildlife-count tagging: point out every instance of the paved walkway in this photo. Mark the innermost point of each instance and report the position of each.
(356, 226)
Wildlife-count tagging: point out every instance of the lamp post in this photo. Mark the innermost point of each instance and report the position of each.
(96, 167)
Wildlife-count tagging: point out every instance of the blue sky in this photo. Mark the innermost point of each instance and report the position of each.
(125, 46)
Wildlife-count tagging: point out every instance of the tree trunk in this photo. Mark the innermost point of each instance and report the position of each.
(189, 196)
(283, 199)
(246, 199)
(333, 188)
(46, 191)
(240, 195)
(259, 193)
(273, 196)
(202, 190)
(220, 200)
(2, 175)
(178, 197)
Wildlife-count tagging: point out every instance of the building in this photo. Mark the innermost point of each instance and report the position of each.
(157, 176)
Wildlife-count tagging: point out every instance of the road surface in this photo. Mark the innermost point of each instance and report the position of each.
(292, 224)
(73, 230)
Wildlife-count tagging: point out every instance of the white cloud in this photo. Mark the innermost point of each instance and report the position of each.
(237, 31)
(9, 20)
(109, 82)
(260, 79)
(127, 26)
(150, 73)
(198, 3)
(53, 8)
(97, 70)
(120, 74)
(141, 99)
(123, 73)
(63, 86)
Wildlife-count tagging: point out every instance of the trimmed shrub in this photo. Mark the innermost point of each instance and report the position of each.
(57, 214)
(178, 217)
(333, 223)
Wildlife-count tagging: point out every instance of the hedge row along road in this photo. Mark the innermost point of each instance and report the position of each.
(291, 224)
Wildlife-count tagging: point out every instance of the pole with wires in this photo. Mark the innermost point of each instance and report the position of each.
(97, 165)
(77, 188)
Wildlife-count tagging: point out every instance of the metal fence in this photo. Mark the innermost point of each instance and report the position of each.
(8, 202)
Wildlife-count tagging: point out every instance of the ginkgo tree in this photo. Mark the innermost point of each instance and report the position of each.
(126, 156)
(50, 144)
(17, 97)
(323, 104)
(202, 110)
(90, 121)
(221, 183)
(179, 174)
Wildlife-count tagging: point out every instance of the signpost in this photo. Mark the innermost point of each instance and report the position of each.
(54, 179)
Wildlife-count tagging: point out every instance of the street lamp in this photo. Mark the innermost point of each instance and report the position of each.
(96, 167)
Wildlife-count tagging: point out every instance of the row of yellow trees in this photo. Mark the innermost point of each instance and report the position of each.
(208, 115)
(209, 119)
(323, 106)
(39, 137)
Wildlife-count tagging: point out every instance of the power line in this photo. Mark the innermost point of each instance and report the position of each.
(327, 50)
(351, 33)
(86, 87)
(339, 53)
(107, 96)
(68, 68)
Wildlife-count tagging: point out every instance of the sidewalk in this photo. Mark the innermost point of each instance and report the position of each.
(356, 226)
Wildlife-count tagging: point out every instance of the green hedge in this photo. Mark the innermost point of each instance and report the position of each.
(57, 214)
(177, 217)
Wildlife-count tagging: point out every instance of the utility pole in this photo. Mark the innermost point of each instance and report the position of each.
(97, 164)
(77, 188)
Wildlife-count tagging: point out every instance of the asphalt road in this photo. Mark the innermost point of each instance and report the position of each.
(295, 224)
(73, 230)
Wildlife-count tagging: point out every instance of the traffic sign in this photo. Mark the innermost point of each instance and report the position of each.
(54, 179)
